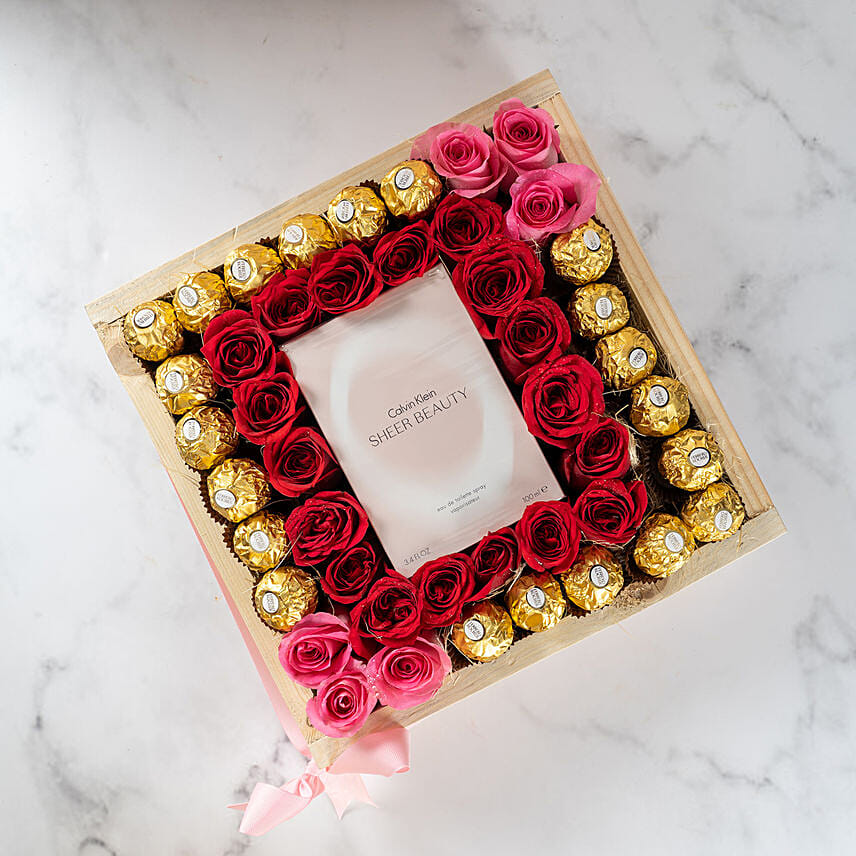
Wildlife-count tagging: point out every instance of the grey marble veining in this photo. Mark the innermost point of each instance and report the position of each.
(720, 722)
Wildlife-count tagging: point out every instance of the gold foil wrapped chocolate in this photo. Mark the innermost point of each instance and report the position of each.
(484, 632)
(598, 309)
(238, 488)
(714, 513)
(357, 214)
(199, 299)
(535, 601)
(664, 543)
(594, 579)
(152, 331)
(247, 268)
(625, 358)
(184, 381)
(691, 460)
(260, 541)
(302, 238)
(282, 597)
(205, 437)
(411, 189)
(582, 255)
(659, 406)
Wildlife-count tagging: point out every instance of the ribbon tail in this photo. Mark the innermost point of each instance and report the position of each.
(345, 789)
(269, 806)
(384, 753)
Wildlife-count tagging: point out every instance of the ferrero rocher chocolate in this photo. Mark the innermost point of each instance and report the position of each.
(535, 601)
(184, 381)
(238, 488)
(260, 541)
(205, 436)
(598, 309)
(691, 460)
(152, 331)
(659, 406)
(247, 268)
(594, 579)
(199, 299)
(714, 513)
(357, 214)
(411, 189)
(664, 543)
(302, 238)
(625, 357)
(484, 632)
(582, 255)
(282, 597)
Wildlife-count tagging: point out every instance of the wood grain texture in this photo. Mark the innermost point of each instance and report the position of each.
(763, 523)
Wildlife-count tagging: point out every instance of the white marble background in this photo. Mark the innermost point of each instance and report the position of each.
(721, 721)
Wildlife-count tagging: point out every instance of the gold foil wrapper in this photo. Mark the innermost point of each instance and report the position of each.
(664, 543)
(691, 460)
(598, 309)
(535, 601)
(284, 596)
(714, 513)
(302, 238)
(247, 268)
(484, 632)
(357, 214)
(152, 331)
(261, 542)
(625, 358)
(594, 579)
(183, 382)
(199, 299)
(582, 255)
(238, 488)
(659, 406)
(411, 189)
(205, 437)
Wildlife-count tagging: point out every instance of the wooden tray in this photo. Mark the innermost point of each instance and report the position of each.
(763, 523)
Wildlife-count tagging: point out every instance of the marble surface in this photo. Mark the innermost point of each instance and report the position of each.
(721, 721)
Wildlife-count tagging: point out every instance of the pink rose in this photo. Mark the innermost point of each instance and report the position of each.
(465, 156)
(316, 649)
(525, 136)
(407, 676)
(548, 201)
(343, 702)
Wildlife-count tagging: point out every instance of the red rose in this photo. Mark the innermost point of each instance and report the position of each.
(405, 254)
(265, 406)
(535, 331)
(461, 224)
(327, 523)
(298, 461)
(548, 535)
(445, 584)
(391, 614)
(495, 278)
(348, 577)
(495, 558)
(237, 348)
(562, 399)
(602, 452)
(610, 512)
(343, 280)
(284, 306)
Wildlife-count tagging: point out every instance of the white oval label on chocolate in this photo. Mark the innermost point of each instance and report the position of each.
(638, 357)
(259, 541)
(674, 542)
(270, 602)
(535, 597)
(224, 498)
(144, 318)
(241, 270)
(404, 178)
(294, 233)
(723, 520)
(173, 381)
(187, 296)
(699, 457)
(191, 429)
(474, 630)
(603, 308)
(591, 239)
(599, 576)
(658, 396)
(345, 211)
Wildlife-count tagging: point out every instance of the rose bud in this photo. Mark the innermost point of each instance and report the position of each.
(548, 535)
(237, 348)
(343, 280)
(461, 224)
(316, 649)
(535, 331)
(298, 461)
(405, 254)
(265, 406)
(390, 614)
(343, 703)
(495, 559)
(348, 577)
(526, 137)
(284, 306)
(445, 584)
(602, 452)
(409, 675)
(326, 524)
(611, 512)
